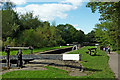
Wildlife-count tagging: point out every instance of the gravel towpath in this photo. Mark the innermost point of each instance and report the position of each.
(114, 63)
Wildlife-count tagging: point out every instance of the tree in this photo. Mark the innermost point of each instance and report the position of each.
(110, 14)
(70, 34)
(9, 20)
(27, 21)
(27, 30)
(40, 37)
(90, 37)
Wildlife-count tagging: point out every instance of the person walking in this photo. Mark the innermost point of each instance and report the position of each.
(108, 49)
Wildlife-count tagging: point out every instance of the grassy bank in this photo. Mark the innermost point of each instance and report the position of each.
(118, 52)
(50, 73)
(98, 65)
(14, 52)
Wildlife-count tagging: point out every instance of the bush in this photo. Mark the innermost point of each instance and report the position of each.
(9, 41)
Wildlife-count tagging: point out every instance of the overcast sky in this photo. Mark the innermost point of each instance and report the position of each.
(72, 12)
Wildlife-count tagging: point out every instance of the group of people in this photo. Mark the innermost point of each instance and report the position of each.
(107, 49)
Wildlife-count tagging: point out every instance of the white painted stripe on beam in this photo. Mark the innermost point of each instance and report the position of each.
(70, 56)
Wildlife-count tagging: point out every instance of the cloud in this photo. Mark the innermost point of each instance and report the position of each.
(19, 2)
(75, 3)
(75, 25)
(51, 11)
(78, 28)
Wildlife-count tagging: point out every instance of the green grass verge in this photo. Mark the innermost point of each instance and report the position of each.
(96, 64)
(118, 52)
(14, 52)
(50, 73)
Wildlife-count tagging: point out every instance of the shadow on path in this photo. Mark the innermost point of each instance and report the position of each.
(78, 66)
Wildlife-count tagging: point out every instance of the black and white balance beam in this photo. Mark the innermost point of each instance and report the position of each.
(76, 57)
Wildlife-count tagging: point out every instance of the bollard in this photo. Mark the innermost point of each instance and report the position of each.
(7, 50)
(19, 63)
(31, 49)
(80, 57)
